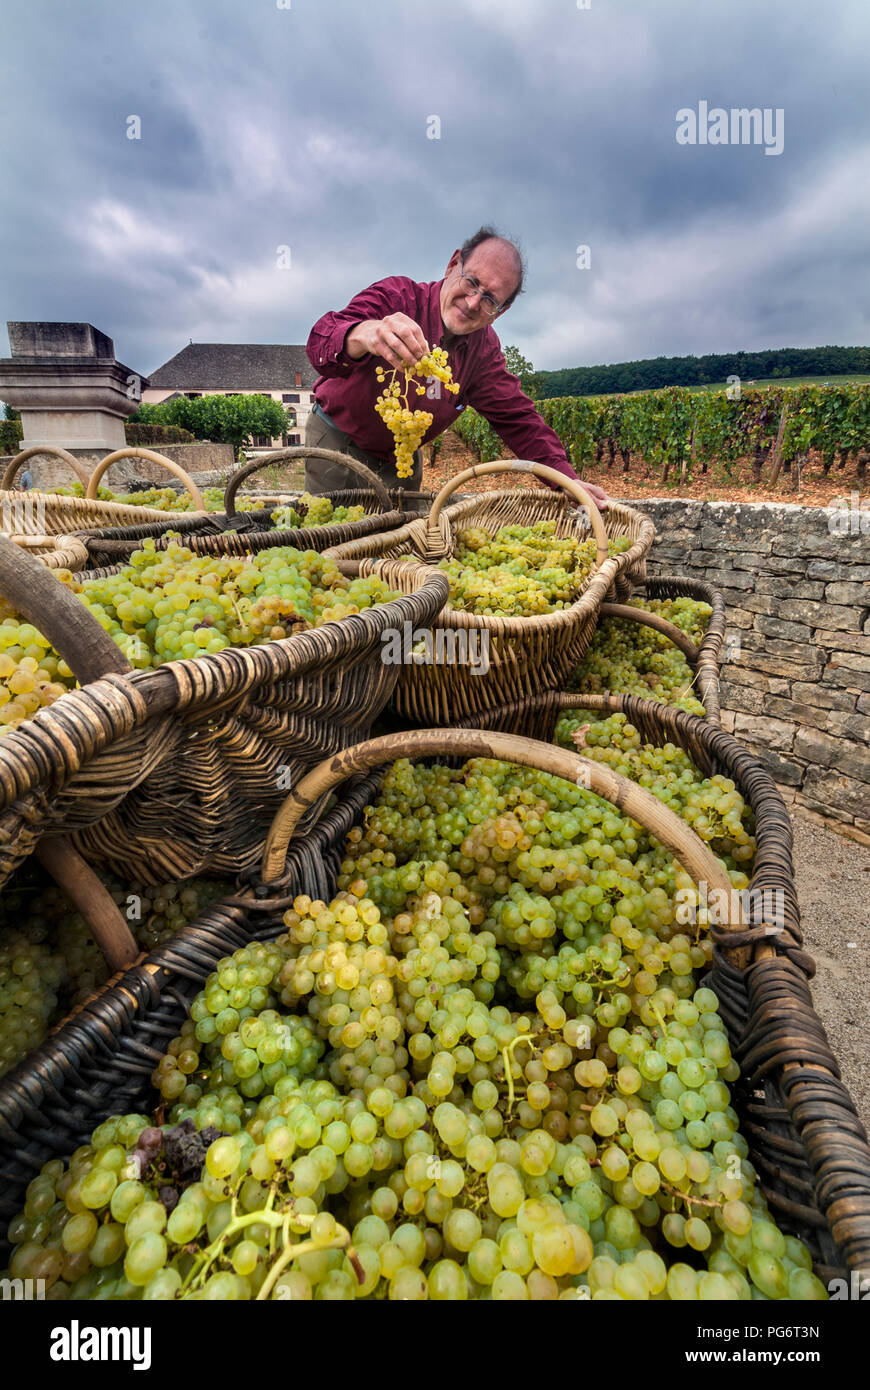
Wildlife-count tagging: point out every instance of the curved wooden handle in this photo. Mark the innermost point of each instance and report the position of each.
(299, 451)
(93, 900)
(51, 606)
(574, 489)
(14, 464)
(634, 801)
(642, 615)
(138, 452)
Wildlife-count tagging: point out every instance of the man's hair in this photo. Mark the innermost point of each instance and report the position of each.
(490, 234)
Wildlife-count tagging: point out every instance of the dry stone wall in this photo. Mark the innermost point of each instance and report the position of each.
(795, 679)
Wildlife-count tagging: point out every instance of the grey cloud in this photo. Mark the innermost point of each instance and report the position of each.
(306, 127)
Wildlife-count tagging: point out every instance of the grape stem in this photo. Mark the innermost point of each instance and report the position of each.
(684, 1197)
(507, 1053)
(661, 1022)
(340, 1241)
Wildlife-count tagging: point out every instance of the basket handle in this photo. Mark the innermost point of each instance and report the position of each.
(573, 488)
(632, 800)
(14, 464)
(300, 451)
(153, 457)
(642, 615)
(35, 593)
(93, 900)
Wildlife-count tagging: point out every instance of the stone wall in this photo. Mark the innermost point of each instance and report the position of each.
(795, 679)
(200, 457)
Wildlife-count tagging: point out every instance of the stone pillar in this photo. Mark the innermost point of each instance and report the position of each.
(68, 385)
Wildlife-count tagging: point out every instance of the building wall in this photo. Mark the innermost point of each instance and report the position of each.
(795, 681)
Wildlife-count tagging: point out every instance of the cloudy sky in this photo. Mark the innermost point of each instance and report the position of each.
(307, 124)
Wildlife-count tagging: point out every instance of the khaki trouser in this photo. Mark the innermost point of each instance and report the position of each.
(322, 476)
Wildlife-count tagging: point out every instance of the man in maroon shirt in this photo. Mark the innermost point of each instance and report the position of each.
(397, 320)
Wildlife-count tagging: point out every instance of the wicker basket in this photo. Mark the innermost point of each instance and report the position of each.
(99, 1060)
(176, 771)
(35, 519)
(805, 1138)
(507, 658)
(209, 533)
(704, 658)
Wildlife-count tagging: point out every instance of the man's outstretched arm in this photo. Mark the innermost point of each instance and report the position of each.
(377, 320)
(496, 394)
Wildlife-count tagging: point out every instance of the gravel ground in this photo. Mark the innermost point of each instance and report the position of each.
(833, 883)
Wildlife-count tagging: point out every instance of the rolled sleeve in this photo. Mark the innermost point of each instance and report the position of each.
(325, 346)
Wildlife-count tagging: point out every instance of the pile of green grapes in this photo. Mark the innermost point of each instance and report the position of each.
(313, 511)
(160, 499)
(49, 962)
(307, 511)
(712, 806)
(170, 604)
(630, 659)
(484, 1070)
(521, 570)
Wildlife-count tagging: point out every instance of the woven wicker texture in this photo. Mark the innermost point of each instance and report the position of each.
(38, 517)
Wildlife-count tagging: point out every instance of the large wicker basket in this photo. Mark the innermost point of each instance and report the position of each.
(171, 772)
(99, 1060)
(703, 658)
(89, 540)
(506, 658)
(36, 519)
(805, 1138)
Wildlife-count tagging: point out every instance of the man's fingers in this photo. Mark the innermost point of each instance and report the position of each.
(391, 347)
(414, 343)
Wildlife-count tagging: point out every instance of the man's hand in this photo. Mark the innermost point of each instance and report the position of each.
(598, 495)
(396, 338)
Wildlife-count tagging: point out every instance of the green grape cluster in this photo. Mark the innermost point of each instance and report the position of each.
(160, 499)
(31, 974)
(712, 806)
(166, 605)
(235, 1039)
(485, 1070)
(408, 427)
(313, 511)
(521, 570)
(627, 658)
(32, 675)
(50, 963)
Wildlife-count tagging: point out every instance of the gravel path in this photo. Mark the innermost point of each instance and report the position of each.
(833, 883)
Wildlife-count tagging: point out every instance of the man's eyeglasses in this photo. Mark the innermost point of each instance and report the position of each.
(489, 305)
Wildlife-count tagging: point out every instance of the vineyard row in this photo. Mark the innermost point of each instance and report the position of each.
(678, 432)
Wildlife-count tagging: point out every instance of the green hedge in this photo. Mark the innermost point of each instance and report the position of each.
(10, 436)
(147, 434)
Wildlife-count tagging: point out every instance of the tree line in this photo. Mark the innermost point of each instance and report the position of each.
(653, 373)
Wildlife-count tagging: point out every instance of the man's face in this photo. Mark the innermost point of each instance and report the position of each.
(494, 269)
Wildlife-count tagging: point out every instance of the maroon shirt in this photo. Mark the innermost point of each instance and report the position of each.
(347, 389)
